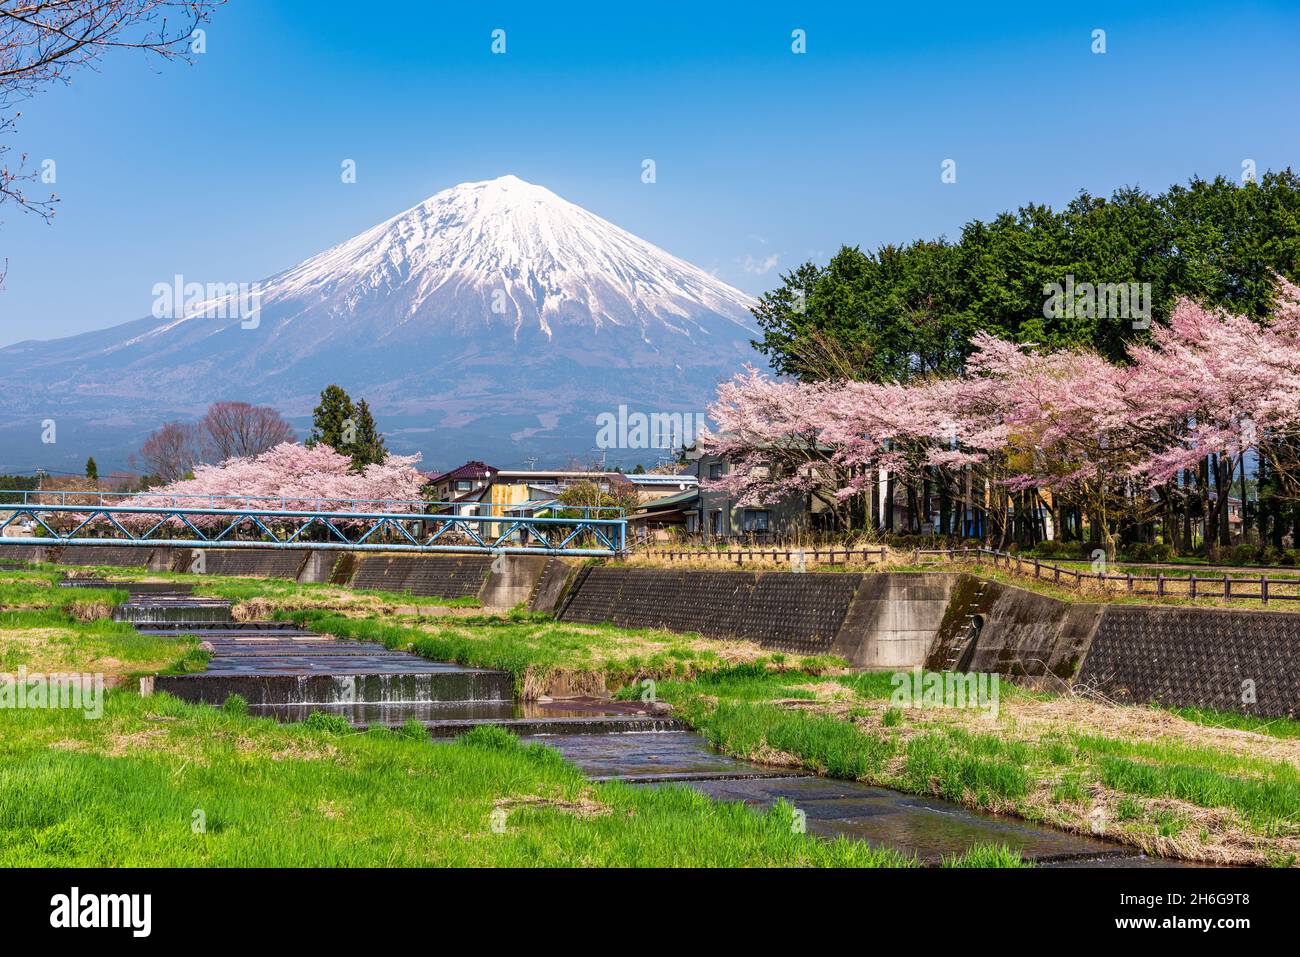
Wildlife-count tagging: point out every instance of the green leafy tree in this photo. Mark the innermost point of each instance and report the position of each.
(92, 470)
(585, 494)
(907, 311)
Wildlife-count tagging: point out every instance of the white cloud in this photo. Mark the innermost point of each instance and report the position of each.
(758, 267)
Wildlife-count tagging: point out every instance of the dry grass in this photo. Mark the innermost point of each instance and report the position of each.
(583, 806)
(1212, 835)
(89, 609)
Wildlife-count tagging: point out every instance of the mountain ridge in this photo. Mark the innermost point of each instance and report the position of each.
(460, 318)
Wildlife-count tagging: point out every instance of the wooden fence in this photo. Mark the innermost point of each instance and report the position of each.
(1160, 585)
(788, 555)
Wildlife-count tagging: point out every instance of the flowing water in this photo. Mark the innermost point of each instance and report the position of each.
(288, 672)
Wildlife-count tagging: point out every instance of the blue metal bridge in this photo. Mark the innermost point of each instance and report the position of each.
(215, 521)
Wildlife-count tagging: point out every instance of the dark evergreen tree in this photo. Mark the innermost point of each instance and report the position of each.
(334, 421)
(92, 470)
(368, 445)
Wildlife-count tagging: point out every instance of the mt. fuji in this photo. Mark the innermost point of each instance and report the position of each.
(494, 320)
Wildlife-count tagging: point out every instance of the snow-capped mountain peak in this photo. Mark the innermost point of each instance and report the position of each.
(513, 252)
(492, 319)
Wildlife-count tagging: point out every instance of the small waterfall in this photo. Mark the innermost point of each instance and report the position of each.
(160, 611)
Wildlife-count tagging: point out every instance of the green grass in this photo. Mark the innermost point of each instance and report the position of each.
(130, 790)
(956, 764)
(237, 589)
(526, 644)
(823, 744)
(987, 855)
(1273, 805)
(747, 682)
(242, 589)
(1273, 727)
(53, 640)
(38, 589)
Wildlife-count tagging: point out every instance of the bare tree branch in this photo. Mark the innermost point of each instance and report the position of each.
(43, 42)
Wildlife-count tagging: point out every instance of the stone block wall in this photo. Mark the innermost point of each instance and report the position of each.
(1243, 661)
(440, 576)
(795, 613)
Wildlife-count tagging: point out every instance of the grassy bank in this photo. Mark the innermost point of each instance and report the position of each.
(158, 782)
(1193, 787)
(271, 593)
(52, 640)
(546, 656)
(161, 783)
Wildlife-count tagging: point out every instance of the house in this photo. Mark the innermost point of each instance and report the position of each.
(462, 488)
(717, 515)
(476, 488)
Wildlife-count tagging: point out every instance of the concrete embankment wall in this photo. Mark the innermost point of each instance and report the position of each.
(1018, 633)
(893, 618)
(800, 614)
(440, 576)
(1246, 661)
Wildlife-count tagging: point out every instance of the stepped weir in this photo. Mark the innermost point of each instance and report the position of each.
(287, 672)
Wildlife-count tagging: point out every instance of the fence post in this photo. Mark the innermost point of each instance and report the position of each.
(1263, 589)
(1227, 586)
(1191, 586)
(1160, 584)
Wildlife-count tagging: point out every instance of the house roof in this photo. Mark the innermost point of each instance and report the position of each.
(473, 469)
(671, 501)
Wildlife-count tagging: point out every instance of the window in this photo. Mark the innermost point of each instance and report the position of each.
(464, 485)
(716, 516)
(755, 520)
(715, 470)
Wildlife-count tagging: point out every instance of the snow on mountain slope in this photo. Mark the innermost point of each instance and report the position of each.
(491, 307)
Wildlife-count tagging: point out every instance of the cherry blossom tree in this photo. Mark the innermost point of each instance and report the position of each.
(1205, 391)
(291, 477)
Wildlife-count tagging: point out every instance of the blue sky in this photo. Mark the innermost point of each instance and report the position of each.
(229, 170)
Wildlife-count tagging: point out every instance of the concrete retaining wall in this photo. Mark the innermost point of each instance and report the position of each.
(893, 619)
(243, 562)
(554, 584)
(1018, 633)
(1245, 661)
(25, 553)
(796, 613)
(123, 556)
(511, 580)
(439, 576)
(1176, 656)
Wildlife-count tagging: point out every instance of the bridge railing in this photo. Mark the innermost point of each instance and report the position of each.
(11, 498)
(65, 523)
